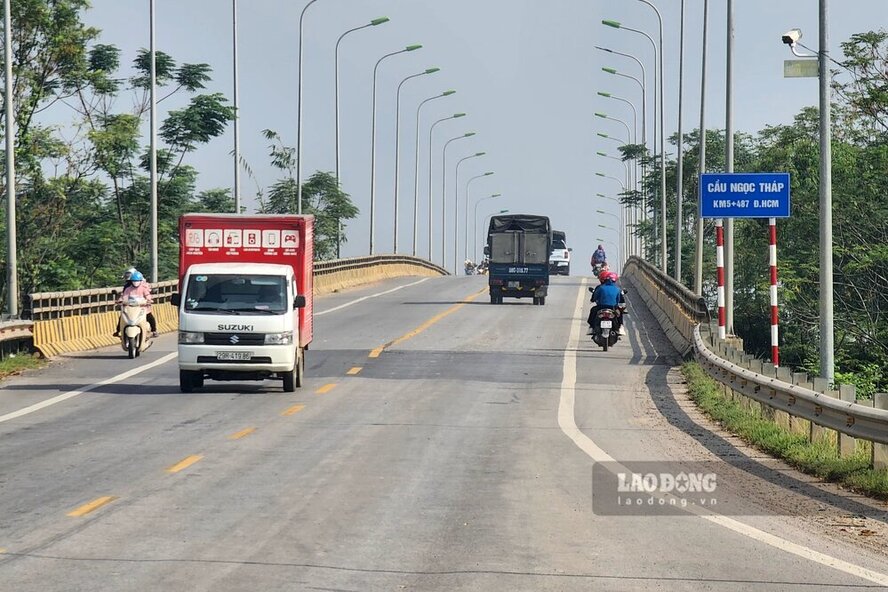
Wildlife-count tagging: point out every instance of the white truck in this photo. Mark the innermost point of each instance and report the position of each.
(245, 298)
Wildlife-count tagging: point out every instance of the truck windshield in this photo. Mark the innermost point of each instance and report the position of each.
(236, 294)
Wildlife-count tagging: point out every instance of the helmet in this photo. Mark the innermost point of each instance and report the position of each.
(128, 273)
(136, 276)
(600, 247)
(605, 276)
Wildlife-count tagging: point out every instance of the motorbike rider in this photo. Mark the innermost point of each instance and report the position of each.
(599, 257)
(606, 295)
(135, 286)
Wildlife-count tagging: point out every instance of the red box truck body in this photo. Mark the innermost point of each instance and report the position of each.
(258, 238)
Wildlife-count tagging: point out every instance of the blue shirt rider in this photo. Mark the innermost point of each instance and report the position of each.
(606, 295)
(599, 256)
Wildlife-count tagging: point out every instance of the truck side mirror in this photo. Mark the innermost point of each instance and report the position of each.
(299, 301)
(174, 299)
(487, 251)
(570, 249)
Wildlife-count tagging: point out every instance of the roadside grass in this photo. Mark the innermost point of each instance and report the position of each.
(820, 459)
(13, 365)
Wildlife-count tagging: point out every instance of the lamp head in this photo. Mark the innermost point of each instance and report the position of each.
(412, 47)
(379, 21)
(447, 93)
(432, 70)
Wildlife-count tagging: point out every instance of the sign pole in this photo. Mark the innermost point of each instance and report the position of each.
(772, 255)
(720, 271)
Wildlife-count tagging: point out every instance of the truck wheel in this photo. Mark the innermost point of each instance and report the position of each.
(542, 300)
(300, 370)
(290, 381)
(493, 298)
(186, 383)
(536, 301)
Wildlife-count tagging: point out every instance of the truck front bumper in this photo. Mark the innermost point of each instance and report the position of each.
(261, 358)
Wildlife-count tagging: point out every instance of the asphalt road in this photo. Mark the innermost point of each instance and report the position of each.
(457, 457)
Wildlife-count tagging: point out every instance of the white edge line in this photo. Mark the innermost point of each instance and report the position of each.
(347, 304)
(568, 425)
(70, 394)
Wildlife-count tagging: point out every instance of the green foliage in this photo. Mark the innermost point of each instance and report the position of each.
(83, 192)
(321, 197)
(819, 458)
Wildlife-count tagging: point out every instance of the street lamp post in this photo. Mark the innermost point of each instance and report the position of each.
(466, 215)
(827, 336)
(398, 147)
(236, 104)
(446, 93)
(11, 250)
(641, 165)
(373, 142)
(658, 56)
(631, 213)
(620, 254)
(623, 185)
(373, 23)
(475, 224)
(679, 172)
(701, 158)
(456, 211)
(431, 163)
(444, 195)
(152, 158)
(623, 210)
(299, 114)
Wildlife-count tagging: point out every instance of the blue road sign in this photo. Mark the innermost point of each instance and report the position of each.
(744, 195)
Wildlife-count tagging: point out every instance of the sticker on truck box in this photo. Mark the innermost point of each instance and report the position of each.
(232, 237)
(194, 237)
(252, 239)
(271, 239)
(213, 238)
(290, 239)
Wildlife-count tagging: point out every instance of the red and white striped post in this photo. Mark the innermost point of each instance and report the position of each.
(720, 271)
(772, 253)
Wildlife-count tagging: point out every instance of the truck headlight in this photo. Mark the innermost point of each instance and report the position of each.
(189, 337)
(285, 338)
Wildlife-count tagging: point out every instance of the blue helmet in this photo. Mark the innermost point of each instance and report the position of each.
(137, 276)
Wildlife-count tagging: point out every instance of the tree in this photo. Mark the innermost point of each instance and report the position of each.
(321, 195)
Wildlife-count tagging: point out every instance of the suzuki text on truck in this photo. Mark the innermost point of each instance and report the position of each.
(245, 298)
(518, 246)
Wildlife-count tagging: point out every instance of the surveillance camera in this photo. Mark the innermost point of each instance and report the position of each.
(792, 36)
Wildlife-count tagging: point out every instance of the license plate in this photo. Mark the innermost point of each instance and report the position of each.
(514, 284)
(607, 324)
(234, 355)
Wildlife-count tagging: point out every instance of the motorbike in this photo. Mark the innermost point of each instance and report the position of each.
(598, 268)
(135, 332)
(604, 332)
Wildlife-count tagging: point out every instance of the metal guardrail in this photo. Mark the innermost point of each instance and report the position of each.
(824, 409)
(845, 417)
(55, 305)
(15, 336)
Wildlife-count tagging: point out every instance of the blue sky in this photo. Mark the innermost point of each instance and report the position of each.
(526, 73)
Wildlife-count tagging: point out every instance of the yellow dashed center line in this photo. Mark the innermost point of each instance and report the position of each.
(91, 506)
(184, 463)
(293, 410)
(378, 351)
(355, 370)
(241, 434)
(326, 388)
